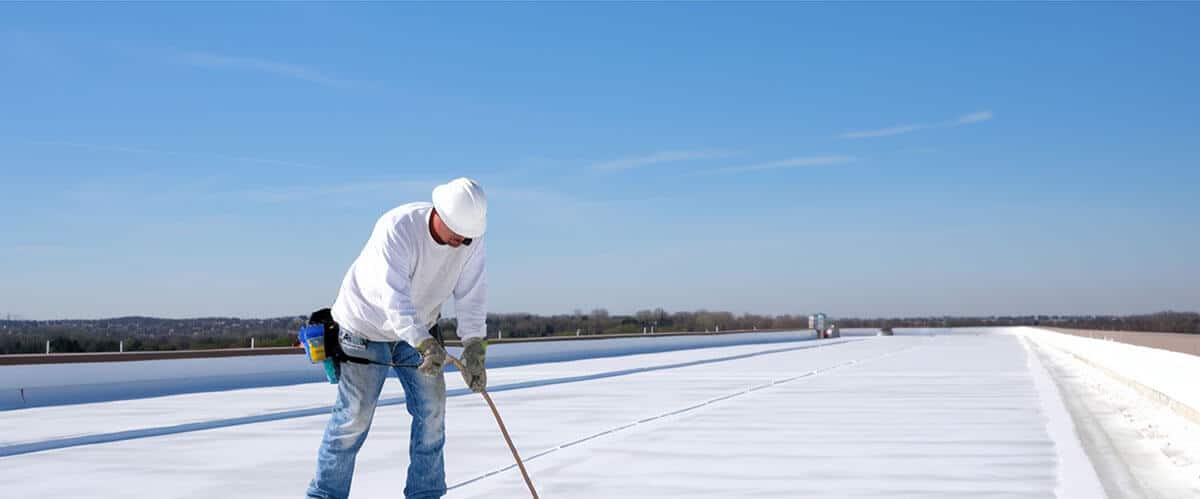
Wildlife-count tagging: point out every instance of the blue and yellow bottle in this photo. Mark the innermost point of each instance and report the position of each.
(313, 339)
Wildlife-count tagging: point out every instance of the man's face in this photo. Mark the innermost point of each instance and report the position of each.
(446, 235)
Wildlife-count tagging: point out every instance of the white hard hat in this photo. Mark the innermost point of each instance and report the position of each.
(462, 205)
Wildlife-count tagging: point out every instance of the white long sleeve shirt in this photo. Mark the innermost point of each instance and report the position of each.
(395, 289)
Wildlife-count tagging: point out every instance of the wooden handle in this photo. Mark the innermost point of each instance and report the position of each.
(503, 430)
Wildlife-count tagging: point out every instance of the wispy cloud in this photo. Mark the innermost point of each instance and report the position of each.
(974, 117)
(657, 158)
(884, 132)
(159, 152)
(797, 162)
(208, 60)
(965, 119)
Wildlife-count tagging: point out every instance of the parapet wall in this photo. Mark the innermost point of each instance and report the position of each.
(34, 385)
(1170, 377)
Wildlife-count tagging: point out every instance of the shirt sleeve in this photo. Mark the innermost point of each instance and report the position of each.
(470, 295)
(397, 291)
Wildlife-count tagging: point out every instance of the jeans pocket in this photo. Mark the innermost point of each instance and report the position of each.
(353, 345)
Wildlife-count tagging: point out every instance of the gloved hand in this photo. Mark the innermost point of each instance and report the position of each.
(474, 373)
(432, 357)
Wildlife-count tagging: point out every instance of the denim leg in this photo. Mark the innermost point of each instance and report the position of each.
(425, 397)
(358, 393)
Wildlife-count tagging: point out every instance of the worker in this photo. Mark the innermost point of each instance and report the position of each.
(387, 311)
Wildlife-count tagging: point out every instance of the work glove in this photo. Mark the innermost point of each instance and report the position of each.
(432, 357)
(472, 358)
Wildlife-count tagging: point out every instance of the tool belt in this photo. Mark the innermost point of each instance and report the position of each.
(333, 347)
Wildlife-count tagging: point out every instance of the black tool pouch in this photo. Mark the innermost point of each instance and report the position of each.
(324, 317)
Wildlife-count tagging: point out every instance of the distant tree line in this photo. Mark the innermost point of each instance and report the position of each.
(147, 333)
(1165, 322)
(599, 321)
(144, 334)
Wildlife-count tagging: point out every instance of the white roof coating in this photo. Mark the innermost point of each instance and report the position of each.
(958, 415)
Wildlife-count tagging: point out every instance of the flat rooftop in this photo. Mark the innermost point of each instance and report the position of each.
(958, 415)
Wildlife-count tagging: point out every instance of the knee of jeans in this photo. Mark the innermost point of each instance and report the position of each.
(349, 424)
(433, 398)
(433, 419)
(436, 417)
(434, 434)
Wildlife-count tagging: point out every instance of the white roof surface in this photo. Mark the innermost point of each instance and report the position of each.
(961, 415)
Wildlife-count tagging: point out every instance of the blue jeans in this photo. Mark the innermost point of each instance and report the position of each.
(358, 392)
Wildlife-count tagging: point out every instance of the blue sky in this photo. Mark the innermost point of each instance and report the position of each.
(186, 160)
